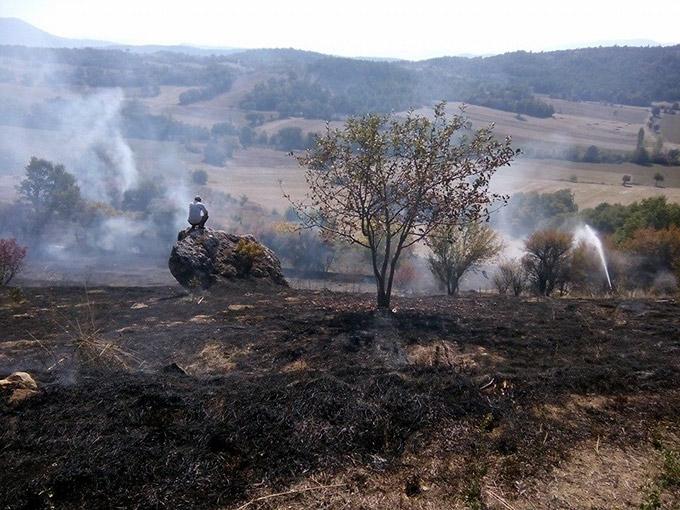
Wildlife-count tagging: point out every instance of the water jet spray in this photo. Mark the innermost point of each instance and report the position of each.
(588, 235)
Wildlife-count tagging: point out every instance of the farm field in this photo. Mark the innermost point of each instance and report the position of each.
(670, 128)
(575, 123)
(596, 183)
(224, 107)
(602, 111)
(261, 174)
(568, 129)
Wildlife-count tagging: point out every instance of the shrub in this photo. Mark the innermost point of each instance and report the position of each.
(673, 156)
(288, 138)
(407, 273)
(140, 198)
(303, 249)
(246, 253)
(456, 251)
(246, 136)
(547, 259)
(511, 277)
(529, 211)
(656, 251)
(199, 177)
(585, 272)
(216, 152)
(255, 119)
(658, 178)
(624, 220)
(11, 260)
(223, 129)
(592, 154)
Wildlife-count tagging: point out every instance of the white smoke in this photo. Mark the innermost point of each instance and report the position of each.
(106, 167)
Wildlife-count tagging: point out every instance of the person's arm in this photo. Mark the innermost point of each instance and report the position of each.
(205, 211)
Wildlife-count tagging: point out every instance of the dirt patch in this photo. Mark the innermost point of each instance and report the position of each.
(595, 476)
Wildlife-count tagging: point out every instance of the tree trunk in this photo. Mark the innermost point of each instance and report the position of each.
(382, 295)
(383, 300)
(452, 285)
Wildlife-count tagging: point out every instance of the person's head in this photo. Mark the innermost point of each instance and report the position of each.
(197, 199)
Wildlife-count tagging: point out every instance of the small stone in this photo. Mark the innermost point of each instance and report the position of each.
(238, 308)
(173, 368)
(201, 318)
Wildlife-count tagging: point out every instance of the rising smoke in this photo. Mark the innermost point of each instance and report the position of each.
(88, 138)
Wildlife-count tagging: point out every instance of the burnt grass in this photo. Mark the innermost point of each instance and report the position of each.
(286, 388)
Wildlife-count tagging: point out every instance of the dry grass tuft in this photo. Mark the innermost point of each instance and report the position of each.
(89, 350)
(94, 352)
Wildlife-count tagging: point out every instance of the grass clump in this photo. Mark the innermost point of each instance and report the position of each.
(669, 478)
(247, 252)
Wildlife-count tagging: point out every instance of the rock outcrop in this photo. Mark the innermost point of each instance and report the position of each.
(201, 258)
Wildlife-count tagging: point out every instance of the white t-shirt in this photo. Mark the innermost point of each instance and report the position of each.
(196, 212)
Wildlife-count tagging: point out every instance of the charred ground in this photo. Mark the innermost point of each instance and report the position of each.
(472, 402)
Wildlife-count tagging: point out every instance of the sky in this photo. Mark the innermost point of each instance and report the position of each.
(413, 29)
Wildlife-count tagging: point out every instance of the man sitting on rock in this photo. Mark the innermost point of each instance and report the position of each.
(198, 214)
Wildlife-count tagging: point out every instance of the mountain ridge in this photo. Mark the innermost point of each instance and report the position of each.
(17, 32)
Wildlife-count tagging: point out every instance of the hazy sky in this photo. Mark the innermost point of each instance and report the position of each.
(387, 28)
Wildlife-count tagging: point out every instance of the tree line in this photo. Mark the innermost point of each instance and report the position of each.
(320, 86)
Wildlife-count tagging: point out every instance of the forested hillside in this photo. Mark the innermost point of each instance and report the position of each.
(312, 85)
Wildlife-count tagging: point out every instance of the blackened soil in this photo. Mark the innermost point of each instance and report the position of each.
(289, 388)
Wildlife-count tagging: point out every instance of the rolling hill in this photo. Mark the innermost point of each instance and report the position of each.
(16, 32)
(238, 113)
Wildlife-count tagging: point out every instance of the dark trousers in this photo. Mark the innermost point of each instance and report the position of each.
(200, 224)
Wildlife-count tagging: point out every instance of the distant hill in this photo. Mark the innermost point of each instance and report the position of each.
(177, 48)
(307, 84)
(618, 74)
(14, 31)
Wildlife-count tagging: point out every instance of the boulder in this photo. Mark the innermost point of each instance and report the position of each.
(18, 386)
(201, 258)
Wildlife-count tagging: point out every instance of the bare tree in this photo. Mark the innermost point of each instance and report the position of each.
(548, 258)
(511, 276)
(458, 250)
(386, 183)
